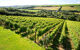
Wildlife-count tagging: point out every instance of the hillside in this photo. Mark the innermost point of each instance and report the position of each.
(9, 40)
(40, 27)
(50, 33)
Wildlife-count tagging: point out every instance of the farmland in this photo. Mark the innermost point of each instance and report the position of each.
(50, 33)
(47, 8)
(71, 8)
(40, 27)
(56, 7)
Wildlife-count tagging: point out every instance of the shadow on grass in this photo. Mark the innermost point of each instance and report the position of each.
(66, 43)
(78, 48)
(56, 41)
(66, 40)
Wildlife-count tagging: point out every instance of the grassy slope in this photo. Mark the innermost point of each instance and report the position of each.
(11, 41)
(71, 8)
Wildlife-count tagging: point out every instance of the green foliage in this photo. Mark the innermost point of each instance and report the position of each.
(23, 29)
(27, 25)
(63, 33)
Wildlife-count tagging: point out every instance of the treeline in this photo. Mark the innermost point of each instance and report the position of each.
(16, 12)
(69, 15)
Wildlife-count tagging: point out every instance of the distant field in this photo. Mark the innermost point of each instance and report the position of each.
(47, 8)
(71, 8)
(30, 10)
(11, 41)
(64, 7)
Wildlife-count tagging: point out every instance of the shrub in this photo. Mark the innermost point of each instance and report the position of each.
(23, 29)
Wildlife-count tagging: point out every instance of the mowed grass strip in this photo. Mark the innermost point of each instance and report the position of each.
(29, 10)
(11, 41)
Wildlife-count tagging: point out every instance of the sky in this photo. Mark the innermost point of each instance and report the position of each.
(37, 2)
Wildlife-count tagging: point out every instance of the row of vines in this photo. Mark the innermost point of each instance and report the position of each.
(48, 32)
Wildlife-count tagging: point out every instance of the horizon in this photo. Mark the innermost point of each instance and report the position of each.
(36, 2)
(43, 4)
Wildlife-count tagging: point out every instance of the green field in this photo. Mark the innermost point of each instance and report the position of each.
(71, 8)
(29, 10)
(9, 40)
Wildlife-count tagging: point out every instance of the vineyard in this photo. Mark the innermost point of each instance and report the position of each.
(50, 33)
